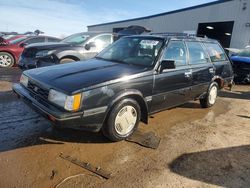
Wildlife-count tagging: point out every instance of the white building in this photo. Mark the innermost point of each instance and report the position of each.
(226, 20)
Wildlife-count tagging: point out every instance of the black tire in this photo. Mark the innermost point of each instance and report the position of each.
(11, 59)
(109, 128)
(206, 101)
(66, 60)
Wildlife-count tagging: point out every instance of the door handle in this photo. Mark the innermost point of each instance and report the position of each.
(188, 74)
(211, 70)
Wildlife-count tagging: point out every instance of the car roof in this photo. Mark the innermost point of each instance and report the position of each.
(36, 36)
(92, 33)
(185, 37)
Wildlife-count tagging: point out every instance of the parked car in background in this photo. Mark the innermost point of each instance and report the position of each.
(241, 66)
(132, 78)
(10, 53)
(132, 30)
(7, 38)
(80, 46)
(10, 38)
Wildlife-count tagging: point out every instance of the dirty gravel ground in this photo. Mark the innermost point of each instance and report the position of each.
(199, 147)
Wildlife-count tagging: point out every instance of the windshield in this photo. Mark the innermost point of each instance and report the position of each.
(76, 38)
(15, 41)
(244, 53)
(133, 50)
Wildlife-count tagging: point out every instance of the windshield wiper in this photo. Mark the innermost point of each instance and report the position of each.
(97, 57)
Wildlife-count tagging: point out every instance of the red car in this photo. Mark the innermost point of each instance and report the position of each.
(6, 39)
(11, 37)
(10, 52)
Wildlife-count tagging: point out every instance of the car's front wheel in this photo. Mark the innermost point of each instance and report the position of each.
(123, 120)
(211, 96)
(6, 60)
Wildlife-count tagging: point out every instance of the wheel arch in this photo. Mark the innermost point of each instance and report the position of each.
(219, 80)
(133, 94)
(69, 57)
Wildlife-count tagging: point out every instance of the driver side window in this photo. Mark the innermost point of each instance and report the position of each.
(176, 51)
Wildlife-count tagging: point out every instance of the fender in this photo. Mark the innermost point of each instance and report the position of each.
(134, 94)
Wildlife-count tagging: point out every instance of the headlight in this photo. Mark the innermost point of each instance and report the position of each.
(71, 103)
(24, 80)
(44, 53)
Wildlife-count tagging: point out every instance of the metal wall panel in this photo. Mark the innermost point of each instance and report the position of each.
(188, 20)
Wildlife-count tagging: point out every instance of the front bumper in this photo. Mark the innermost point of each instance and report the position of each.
(31, 63)
(75, 120)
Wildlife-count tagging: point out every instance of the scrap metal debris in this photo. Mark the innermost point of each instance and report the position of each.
(244, 116)
(53, 173)
(97, 170)
(148, 139)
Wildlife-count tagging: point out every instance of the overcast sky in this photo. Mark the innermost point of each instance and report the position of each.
(64, 17)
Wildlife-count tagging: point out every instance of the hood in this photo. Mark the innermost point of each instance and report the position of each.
(240, 59)
(48, 45)
(7, 46)
(73, 77)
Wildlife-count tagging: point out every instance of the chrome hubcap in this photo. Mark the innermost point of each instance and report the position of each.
(5, 60)
(125, 120)
(213, 95)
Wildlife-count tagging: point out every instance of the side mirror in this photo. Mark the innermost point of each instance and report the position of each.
(23, 44)
(167, 64)
(89, 45)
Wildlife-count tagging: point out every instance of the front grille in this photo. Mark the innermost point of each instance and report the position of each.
(38, 91)
(29, 52)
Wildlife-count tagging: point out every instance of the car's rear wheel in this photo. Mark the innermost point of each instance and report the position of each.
(66, 60)
(211, 96)
(6, 59)
(123, 120)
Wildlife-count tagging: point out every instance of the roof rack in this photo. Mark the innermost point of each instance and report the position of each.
(173, 34)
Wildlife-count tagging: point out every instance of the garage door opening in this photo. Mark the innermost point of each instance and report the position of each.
(221, 31)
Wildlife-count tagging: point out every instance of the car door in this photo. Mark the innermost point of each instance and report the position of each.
(202, 69)
(98, 43)
(171, 86)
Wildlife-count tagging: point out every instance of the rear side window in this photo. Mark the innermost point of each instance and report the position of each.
(52, 39)
(35, 40)
(197, 55)
(176, 51)
(215, 52)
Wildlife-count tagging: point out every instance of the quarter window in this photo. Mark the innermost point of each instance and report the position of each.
(176, 51)
(197, 54)
(215, 52)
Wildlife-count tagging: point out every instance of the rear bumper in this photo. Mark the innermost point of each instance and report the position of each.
(90, 120)
(228, 81)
